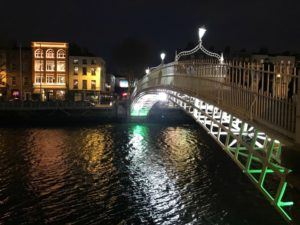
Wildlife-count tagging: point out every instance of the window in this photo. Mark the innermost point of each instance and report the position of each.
(84, 61)
(93, 62)
(61, 66)
(38, 65)
(26, 81)
(13, 80)
(75, 84)
(13, 67)
(50, 66)
(39, 53)
(93, 85)
(50, 78)
(61, 54)
(84, 84)
(61, 79)
(84, 71)
(75, 61)
(93, 71)
(38, 78)
(50, 53)
(76, 70)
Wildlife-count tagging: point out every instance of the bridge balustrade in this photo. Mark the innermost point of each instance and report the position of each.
(265, 94)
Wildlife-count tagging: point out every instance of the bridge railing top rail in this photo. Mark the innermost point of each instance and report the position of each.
(278, 81)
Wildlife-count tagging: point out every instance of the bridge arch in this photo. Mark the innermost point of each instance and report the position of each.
(144, 101)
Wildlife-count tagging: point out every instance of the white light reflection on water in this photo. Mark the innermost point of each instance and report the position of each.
(150, 179)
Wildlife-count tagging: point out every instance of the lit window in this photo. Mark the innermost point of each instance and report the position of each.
(75, 61)
(50, 79)
(61, 79)
(84, 84)
(93, 71)
(50, 66)
(84, 71)
(50, 53)
(61, 66)
(76, 70)
(39, 53)
(38, 65)
(93, 85)
(38, 78)
(61, 54)
(75, 84)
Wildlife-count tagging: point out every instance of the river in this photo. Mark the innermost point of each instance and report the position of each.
(124, 174)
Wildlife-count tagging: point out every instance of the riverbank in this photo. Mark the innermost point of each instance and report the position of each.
(88, 115)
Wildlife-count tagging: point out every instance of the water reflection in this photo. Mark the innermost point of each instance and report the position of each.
(151, 180)
(93, 145)
(122, 174)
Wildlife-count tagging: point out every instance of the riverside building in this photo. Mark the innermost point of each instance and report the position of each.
(86, 78)
(49, 70)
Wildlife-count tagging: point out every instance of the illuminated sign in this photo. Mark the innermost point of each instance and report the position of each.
(123, 83)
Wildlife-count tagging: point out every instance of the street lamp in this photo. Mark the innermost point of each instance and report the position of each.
(201, 32)
(147, 71)
(162, 56)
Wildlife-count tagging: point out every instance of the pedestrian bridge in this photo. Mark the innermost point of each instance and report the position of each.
(248, 108)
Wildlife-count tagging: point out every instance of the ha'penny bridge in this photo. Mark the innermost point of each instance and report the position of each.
(250, 109)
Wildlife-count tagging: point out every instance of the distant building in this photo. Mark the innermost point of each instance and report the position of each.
(19, 73)
(86, 78)
(276, 60)
(49, 70)
(3, 75)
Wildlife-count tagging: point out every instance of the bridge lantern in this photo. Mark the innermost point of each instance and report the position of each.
(201, 32)
(163, 56)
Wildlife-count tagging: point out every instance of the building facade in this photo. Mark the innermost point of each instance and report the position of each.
(19, 73)
(49, 70)
(86, 78)
(3, 77)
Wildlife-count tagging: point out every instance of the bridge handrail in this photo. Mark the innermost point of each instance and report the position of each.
(262, 93)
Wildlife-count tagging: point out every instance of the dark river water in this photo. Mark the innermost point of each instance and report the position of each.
(123, 174)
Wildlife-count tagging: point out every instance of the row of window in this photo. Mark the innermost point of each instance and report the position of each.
(50, 79)
(84, 84)
(14, 81)
(84, 61)
(84, 70)
(50, 66)
(39, 53)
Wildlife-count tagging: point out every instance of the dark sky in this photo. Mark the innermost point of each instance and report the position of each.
(163, 24)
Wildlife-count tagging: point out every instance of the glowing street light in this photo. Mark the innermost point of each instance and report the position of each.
(201, 32)
(162, 56)
(147, 71)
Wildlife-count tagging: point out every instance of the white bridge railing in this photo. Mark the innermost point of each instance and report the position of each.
(264, 94)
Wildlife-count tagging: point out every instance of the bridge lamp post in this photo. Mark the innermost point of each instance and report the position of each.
(162, 56)
(147, 71)
(201, 32)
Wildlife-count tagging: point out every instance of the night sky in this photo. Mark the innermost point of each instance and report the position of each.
(162, 24)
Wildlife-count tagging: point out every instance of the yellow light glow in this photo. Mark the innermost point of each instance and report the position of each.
(50, 44)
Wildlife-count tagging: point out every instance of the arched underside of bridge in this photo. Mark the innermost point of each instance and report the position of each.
(256, 154)
(143, 103)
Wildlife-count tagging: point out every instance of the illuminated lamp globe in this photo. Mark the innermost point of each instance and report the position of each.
(147, 71)
(162, 56)
(201, 32)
